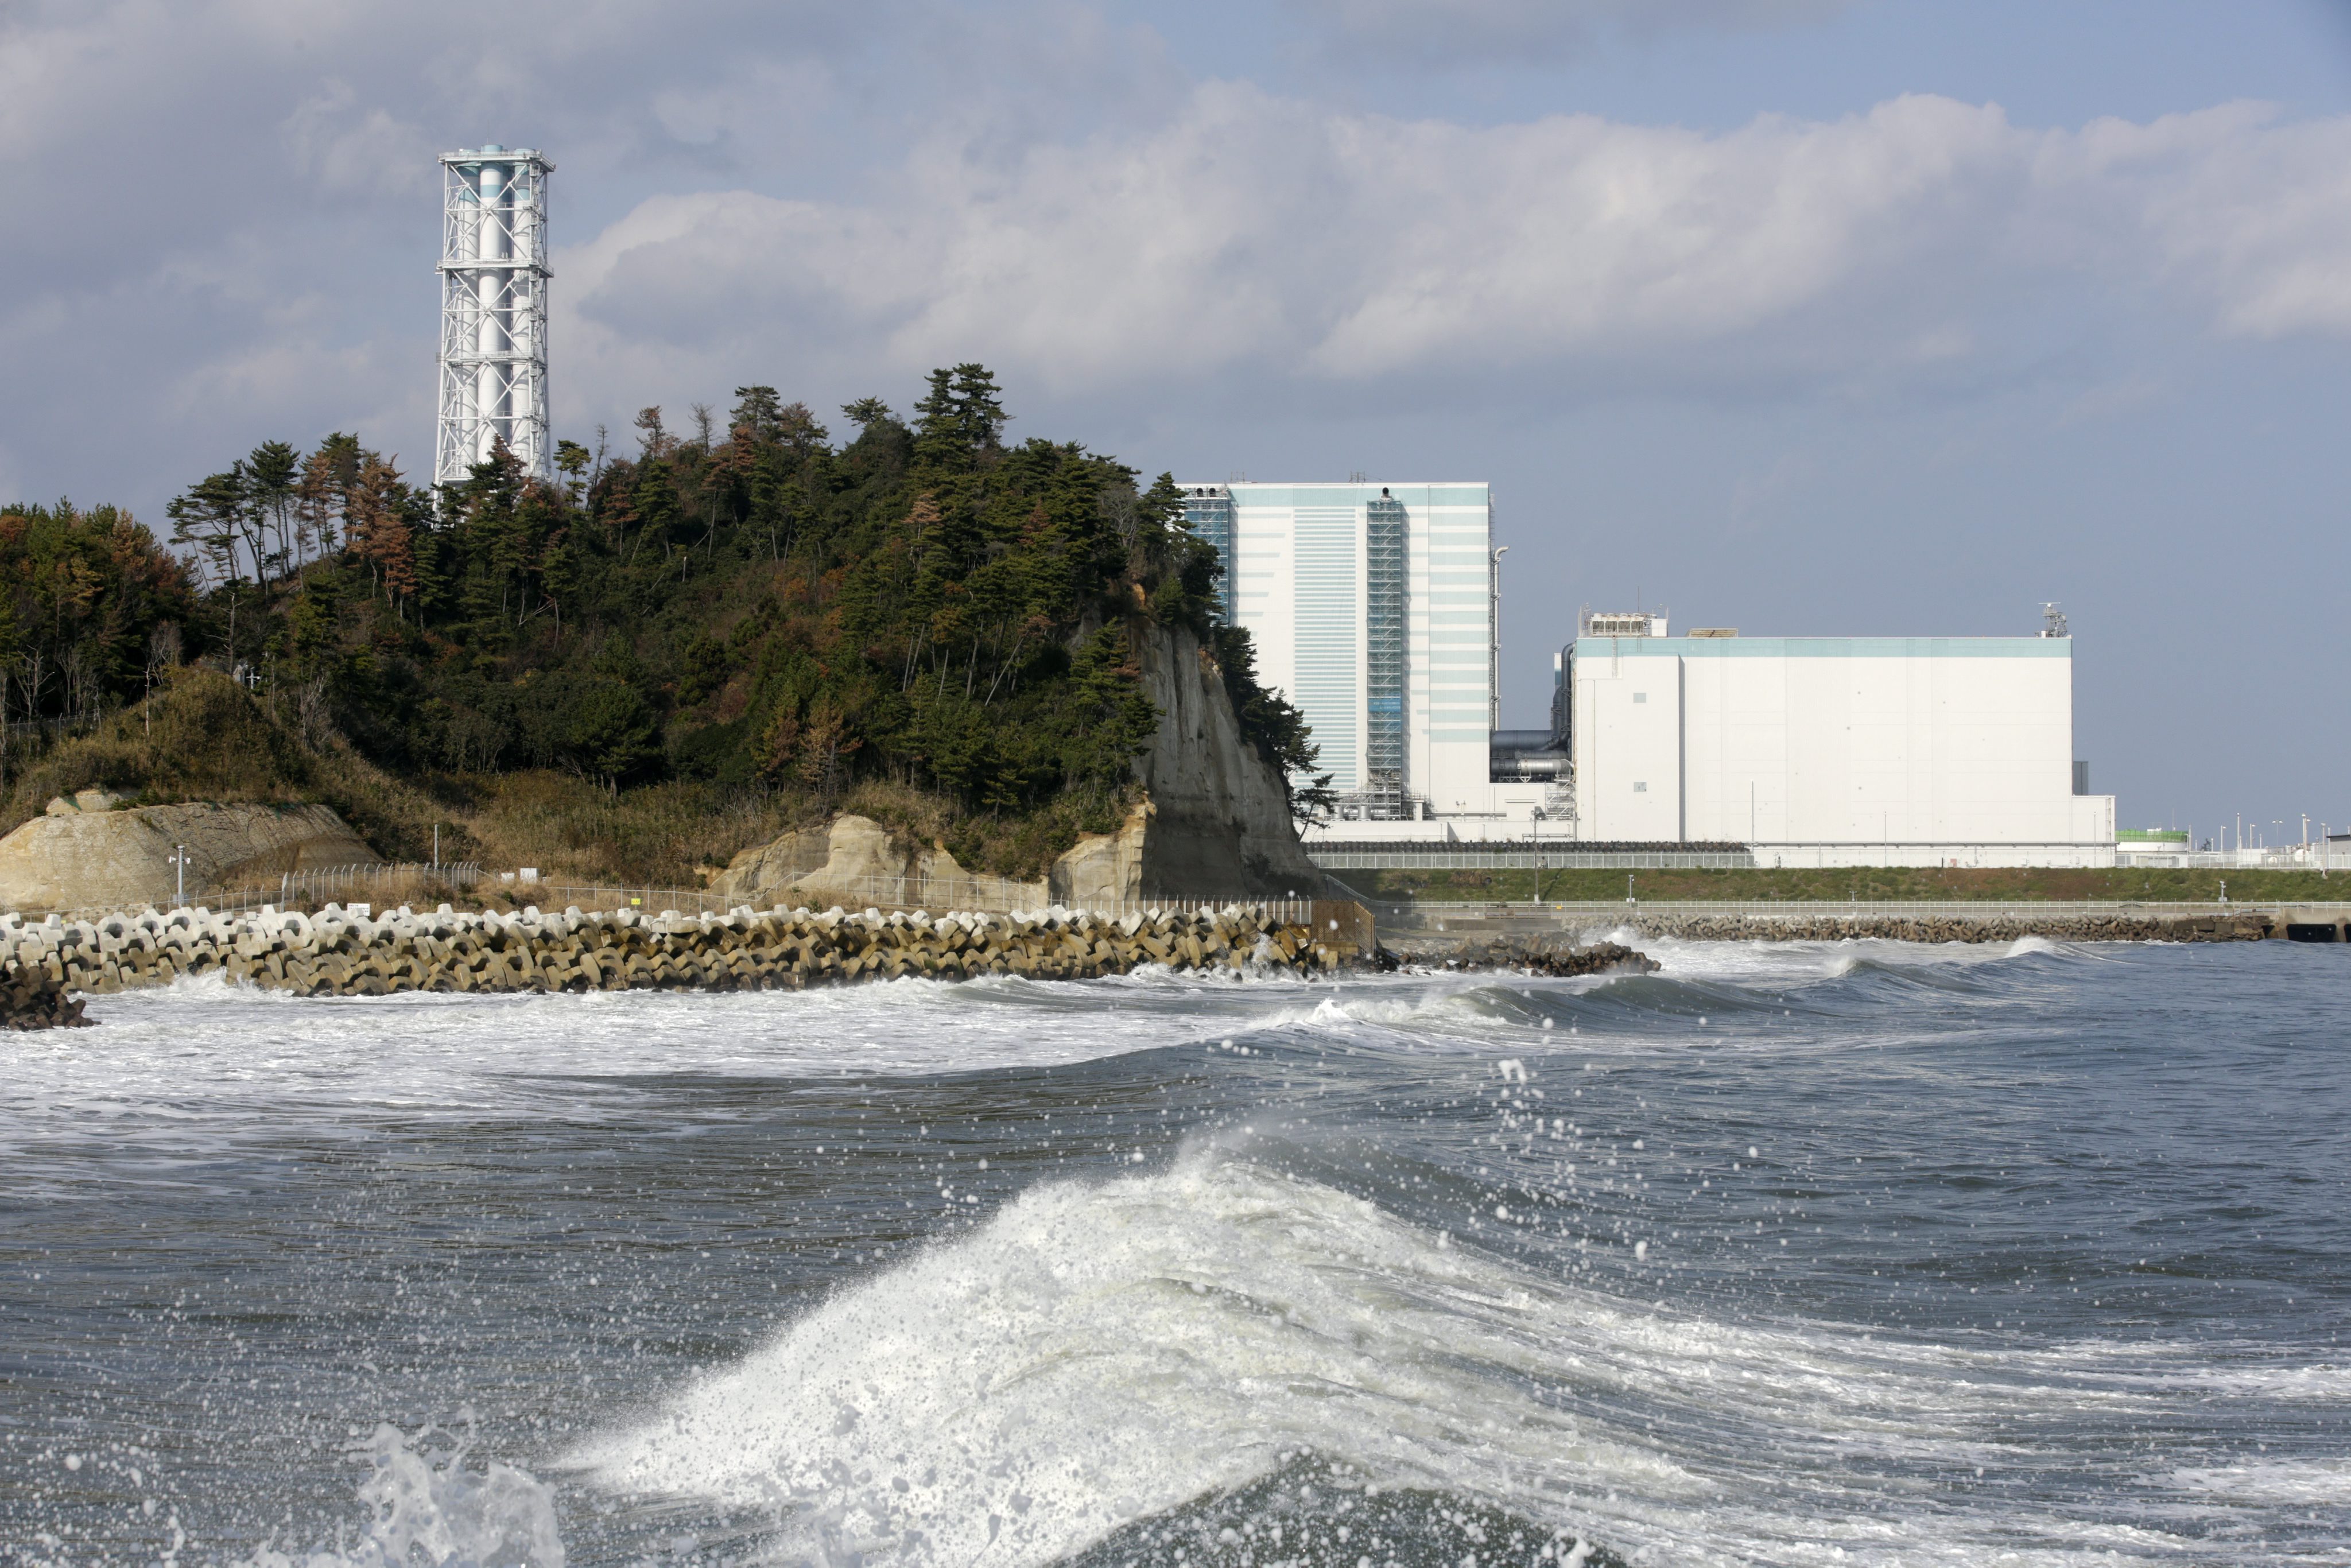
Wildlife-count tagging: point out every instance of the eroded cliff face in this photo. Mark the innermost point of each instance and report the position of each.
(1216, 824)
(84, 855)
(1219, 819)
(853, 862)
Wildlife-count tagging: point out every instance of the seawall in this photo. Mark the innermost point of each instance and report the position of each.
(1430, 929)
(351, 952)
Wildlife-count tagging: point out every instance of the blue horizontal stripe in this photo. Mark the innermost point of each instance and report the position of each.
(1827, 647)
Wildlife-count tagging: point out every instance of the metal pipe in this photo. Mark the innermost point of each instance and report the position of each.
(493, 241)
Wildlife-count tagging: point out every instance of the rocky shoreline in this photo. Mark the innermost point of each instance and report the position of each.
(1557, 957)
(353, 952)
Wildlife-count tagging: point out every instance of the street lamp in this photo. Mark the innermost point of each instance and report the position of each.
(179, 860)
(1537, 815)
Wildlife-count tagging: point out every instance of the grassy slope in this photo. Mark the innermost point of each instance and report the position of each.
(1859, 882)
(203, 737)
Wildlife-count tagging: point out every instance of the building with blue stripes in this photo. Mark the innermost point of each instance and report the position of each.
(1371, 606)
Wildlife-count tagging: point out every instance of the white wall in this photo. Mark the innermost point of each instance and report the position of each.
(1290, 538)
(1928, 744)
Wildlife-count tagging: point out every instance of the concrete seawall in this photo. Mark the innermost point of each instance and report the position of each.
(1430, 929)
(353, 952)
(1933, 928)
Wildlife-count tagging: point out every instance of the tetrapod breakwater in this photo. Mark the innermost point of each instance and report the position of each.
(352, 951)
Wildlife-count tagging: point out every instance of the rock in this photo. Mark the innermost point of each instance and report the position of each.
(100, 858)
(853, 861)
(1220, 821)
(1556, 956)
(1214, 823)
(1104, 870)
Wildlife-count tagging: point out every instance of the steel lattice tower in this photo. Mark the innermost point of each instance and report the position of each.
(494, 280)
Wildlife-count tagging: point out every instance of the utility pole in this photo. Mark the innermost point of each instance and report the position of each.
(1538, 816)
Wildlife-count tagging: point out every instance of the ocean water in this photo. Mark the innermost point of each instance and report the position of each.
(1861, 1254)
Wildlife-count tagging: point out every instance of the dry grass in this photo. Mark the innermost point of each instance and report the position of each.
(203, 737)
(665, 835)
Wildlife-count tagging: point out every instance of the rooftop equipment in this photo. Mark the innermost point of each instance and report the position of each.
(1621, 624)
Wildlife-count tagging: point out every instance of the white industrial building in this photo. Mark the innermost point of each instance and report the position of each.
(1832, 751)
(1373, 608)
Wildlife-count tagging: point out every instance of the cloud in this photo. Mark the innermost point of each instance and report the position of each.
(1256, 236)
(1511, 31)
(245, 223)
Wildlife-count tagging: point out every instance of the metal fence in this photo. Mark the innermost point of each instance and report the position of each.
(934, 895)
(368, 883)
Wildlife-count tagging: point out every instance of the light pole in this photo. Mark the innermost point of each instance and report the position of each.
(1538, 816)
(179, 860)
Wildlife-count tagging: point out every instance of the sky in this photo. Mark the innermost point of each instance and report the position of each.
(1806, 316)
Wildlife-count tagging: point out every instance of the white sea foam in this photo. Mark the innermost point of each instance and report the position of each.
(1098, 1354)
(2293, 1482)
(425, 1501)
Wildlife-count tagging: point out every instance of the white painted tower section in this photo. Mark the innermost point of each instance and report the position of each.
(494, 279)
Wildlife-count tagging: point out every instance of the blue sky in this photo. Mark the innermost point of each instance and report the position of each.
(1801, 316)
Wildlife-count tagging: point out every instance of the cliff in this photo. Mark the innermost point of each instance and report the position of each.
(1219, 819)
(84, 855)
(1215, 822)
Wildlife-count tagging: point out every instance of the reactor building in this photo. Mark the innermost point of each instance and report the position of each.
(494, 279)
(1375, 609)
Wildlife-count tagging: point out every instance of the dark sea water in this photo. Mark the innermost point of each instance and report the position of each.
(1858, 1255)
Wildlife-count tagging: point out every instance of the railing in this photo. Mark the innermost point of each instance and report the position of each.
(373, 883)
(934, 895)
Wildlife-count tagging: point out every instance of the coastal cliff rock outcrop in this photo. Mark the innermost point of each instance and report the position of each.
(1219, 819)
(1215, 823)
(87, 854)
(853, 861)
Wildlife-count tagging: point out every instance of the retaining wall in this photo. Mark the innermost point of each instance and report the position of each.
(1938, 929)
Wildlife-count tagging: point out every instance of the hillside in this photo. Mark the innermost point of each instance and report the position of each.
(662, 657)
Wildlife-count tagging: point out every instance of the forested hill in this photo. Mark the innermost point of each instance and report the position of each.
(748, 604)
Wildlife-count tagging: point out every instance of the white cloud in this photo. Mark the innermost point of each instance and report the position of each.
(1255, 235)
(1514, 30)
(367, 153)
